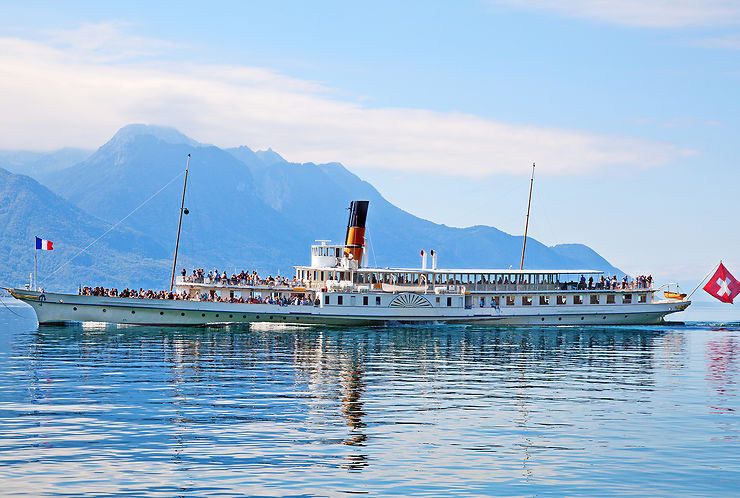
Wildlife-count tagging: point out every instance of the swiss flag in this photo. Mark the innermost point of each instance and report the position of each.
(723, 285)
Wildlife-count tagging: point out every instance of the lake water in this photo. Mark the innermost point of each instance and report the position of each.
(579, 411)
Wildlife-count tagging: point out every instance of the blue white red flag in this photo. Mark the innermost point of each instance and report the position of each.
(44, 245)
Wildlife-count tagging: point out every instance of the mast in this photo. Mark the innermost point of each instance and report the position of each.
(179, 224)
(526, 224)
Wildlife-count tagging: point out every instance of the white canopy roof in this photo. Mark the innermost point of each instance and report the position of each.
(450, 271)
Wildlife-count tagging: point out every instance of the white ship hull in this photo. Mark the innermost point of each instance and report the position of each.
(60, 308)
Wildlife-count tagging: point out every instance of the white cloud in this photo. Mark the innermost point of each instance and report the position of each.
(643, 13)
(105, 42)
(56, 94)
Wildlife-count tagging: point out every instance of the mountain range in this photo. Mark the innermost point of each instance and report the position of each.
(247, 210)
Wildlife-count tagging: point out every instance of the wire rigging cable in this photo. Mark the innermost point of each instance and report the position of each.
(703, 279)
(8, 308)
(113, 226)
(367, 234)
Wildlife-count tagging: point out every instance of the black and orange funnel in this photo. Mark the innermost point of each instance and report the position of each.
(355, 241)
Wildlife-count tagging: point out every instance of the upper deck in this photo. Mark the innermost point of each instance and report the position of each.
(454, 280)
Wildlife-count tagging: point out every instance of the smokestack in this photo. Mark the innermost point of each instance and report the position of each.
(434, 259)
(423, 260)
(355, 240)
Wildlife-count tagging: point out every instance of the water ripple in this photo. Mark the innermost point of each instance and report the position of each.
(130, 411)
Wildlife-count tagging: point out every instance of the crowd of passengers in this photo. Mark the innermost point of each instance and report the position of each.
(141, 293)
(199, 276)
(210, 297)
(281, 301)
(639, 282)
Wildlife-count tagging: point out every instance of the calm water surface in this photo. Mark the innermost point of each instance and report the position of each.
(101, 410)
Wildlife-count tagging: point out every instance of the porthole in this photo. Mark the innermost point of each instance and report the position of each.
(103, 310)
(182, 314)
(284, 318)
(625, 316)
(581, 318)
(258, 317)
(560, 318)
(161, 312)
(203, 314)
(270, 318)
(75, 308)
(216, 315)
(133, 312)
(543, 318)
(230, 316)
(604, 318)
(244, 316)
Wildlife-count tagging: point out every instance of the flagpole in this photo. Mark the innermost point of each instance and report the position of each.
(179, 224)
(35, 280)
(526, 224)
(703, 279)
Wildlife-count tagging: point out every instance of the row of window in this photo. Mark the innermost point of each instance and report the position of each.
(366, 300)
(561, 300)
(340, 300)
(415, 278)
(421, 278)
(335, 251)
(322, 276)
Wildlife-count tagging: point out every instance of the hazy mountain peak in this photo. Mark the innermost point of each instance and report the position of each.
(241, 148)
(164, 133)
(270, 157)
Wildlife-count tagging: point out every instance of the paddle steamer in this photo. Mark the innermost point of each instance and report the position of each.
(337, 289)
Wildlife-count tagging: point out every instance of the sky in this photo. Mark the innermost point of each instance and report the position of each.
(629, 108)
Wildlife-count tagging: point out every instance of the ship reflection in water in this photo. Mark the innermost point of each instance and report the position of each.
(352, 411)
(410, 410)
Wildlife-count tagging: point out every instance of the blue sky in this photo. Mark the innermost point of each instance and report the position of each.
(630, 108)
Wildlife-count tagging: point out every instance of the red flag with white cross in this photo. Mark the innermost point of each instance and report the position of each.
(723, 285)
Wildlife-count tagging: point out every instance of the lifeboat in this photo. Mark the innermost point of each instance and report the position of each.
(674, 295)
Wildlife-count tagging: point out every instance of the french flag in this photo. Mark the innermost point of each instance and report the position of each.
(44, 245)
